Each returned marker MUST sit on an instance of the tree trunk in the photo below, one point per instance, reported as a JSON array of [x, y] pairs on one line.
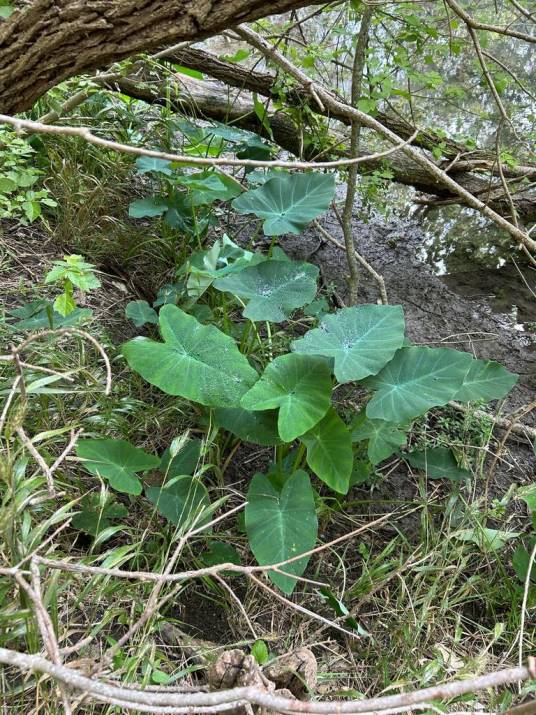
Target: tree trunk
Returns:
[[49, 41]]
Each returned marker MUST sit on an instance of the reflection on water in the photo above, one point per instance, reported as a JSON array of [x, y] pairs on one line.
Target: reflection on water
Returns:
[[459, 238], [479, 261]]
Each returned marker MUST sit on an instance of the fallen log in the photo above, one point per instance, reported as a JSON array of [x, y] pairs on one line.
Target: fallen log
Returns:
[[214, 101]]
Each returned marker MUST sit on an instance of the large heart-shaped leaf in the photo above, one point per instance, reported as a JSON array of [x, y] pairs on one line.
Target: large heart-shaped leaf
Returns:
[[384, 438], [287, 203], [300, 386], [329, 452], [415, 380], [486, 380], [196, 361], [281, 525], [182, 502], [361, 339], [273, 288], [437, 463], [255, 427], [117, 461]]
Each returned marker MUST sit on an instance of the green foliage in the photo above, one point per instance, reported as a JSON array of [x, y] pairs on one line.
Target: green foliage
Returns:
[[281, 524], [19, 198], [415, 380], [291, 399], [256, 427], [40, 314], [485, 380], [259, 651], [361, 339], [72, 272], [184, 501], [181, 458], [96, 515], [195, 361], [383, 438], [329, 452], [273, 288], [117, 461], [224, 258], [300, 386], [288, 203], [140, 312], [437, 463], [219, 552], [486, 539]]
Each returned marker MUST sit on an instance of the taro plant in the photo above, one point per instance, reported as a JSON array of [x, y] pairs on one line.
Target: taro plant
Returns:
[[286, 401], [281, 394]]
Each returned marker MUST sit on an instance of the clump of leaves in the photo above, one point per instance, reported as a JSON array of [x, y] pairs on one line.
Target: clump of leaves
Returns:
[[19, 197], [72, 272]]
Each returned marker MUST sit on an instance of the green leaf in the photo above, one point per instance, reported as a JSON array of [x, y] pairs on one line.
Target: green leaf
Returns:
[[195, 361], [182, 502], [384, 438], [273, 288], [317, 308], [300, 386], [361, 472], [64, 304], [117, 461], [329, 452], [528, 495], [259, 651], [7, 185], [485, 380], [32, 209], [521, 562], [209, 187], [223, 258], [184, 462], [28, 310], [415, 380], [41, 319], [169, 293], [281, 525], [288, 203], [361, 339], [73, 268], [151, 206], [95, 517], [437, 463], [219, 552], [238, 56], [6, 11], [140, 312], [486, 539], [147, 164], [255, 427]]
